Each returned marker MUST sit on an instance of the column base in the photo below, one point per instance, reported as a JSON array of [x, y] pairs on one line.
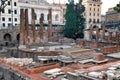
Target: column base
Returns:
[[22, 46]]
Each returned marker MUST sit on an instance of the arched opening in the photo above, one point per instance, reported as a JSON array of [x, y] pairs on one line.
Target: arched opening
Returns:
[[7, 37], [18, 37], [42, 16]]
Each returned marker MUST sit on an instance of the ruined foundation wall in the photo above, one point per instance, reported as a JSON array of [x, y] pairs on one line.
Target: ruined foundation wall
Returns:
[[8, 74]]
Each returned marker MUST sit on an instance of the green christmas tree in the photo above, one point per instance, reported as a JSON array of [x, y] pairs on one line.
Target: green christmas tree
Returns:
[[74, 20]]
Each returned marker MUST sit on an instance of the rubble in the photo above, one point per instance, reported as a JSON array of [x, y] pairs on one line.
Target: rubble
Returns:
[[19, 61]]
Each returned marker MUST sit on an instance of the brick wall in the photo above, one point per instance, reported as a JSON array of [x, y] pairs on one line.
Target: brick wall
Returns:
[[108, 50]]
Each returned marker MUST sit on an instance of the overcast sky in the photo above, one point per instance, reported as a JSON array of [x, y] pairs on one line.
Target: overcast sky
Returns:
[[106, 4]]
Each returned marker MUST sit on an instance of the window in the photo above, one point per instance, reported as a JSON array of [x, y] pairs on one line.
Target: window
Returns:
[[98, 9], [9, 11], [94, 9], [15, 19], [3, 24], [94, 5], [98, 21], [9, 24], [15, 11], [90, 9], [90, 14], [3, 11], [56, 17], [90, 20], [15, 4], [3, 18], [9, 19], [94, 14], [42, 16], [90, 4], [94, 21], [98, 14], [98, 5], [8, 2]]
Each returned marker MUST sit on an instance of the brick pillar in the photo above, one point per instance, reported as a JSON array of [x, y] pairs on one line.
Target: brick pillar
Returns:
[[110, 36], [26, 27], [50, 26], [90, 32], [118, 41], [103, 32], [41, 30], [22, 27], [116, 35], [97, 34], [33, 25]]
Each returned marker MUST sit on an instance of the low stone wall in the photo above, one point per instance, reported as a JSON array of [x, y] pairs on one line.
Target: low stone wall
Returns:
[[44, 68], [72, 76], [8, 74]]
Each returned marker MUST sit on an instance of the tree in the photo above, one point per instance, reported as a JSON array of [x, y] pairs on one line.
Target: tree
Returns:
[[3, 4], [117, 7], [74, 20]]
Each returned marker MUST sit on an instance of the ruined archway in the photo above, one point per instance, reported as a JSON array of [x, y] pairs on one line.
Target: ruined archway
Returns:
[[7, 37]]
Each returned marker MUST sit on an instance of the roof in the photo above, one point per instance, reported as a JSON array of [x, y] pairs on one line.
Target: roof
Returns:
[[40, 2]]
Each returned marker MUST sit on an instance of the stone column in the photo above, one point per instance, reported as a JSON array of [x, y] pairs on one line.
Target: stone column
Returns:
[[90, 32], [22, 27], [118, 40], [41, 30], [26, 27], [33, 25], [50, 26]]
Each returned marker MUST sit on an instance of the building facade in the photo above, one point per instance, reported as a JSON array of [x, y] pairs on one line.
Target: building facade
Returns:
[[112, 18], [41, 8], [11, 14], [92, 14]]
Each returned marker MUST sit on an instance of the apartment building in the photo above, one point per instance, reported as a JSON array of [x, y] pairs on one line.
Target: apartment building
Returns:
[[112, 18], [10, 16], [92, 14]]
